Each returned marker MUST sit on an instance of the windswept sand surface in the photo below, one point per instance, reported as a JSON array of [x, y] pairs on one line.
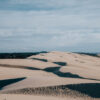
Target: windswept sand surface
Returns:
[[49, 76], [28, 97]]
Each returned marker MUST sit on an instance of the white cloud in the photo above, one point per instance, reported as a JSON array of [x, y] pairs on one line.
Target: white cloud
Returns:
[[49, 23], [46, 23]]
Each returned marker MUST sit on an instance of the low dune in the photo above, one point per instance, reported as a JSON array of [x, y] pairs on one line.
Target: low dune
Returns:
[[31, 97], [51, 76]]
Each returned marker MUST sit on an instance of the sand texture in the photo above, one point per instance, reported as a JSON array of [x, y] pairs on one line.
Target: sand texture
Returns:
[[50, 76]]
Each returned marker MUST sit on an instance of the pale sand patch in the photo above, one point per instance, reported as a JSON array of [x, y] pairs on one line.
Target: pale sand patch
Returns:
[[26, 63], [31, 97]]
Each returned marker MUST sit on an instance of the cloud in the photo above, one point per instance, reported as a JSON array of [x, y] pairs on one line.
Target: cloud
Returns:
[[49, 23], [69, 6], [43, 22]]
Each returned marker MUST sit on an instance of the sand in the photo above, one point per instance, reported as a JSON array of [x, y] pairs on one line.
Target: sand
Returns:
[[59, 74], [28, 97]]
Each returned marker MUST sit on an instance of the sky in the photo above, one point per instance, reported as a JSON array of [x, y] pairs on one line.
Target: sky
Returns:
[[49, 25]]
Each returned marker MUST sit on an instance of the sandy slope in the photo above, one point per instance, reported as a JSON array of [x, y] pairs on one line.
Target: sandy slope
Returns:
[[49, 69], [28, 97]]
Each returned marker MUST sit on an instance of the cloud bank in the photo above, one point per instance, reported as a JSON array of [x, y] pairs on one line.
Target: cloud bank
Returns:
[[34, 25]]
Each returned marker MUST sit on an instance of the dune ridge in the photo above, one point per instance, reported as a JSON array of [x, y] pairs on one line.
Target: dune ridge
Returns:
[[59, 74]]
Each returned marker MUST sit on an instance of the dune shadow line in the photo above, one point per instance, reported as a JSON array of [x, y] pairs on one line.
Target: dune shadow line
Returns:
[[6, 82], [44, 60], [90, 89], [54, 70], [61, 63], [21, 67]]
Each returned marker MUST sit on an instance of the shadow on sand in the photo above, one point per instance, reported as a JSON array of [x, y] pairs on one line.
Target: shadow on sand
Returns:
[[44, 60], [91, 89], [61, 63], [75, 90], [6, 82], [54, 70]]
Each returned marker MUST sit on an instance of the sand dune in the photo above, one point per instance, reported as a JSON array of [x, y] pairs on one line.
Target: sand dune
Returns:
[[28, 97], [53, 74]]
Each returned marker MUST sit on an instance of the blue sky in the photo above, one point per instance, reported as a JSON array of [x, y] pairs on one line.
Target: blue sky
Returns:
[[62, 25]]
